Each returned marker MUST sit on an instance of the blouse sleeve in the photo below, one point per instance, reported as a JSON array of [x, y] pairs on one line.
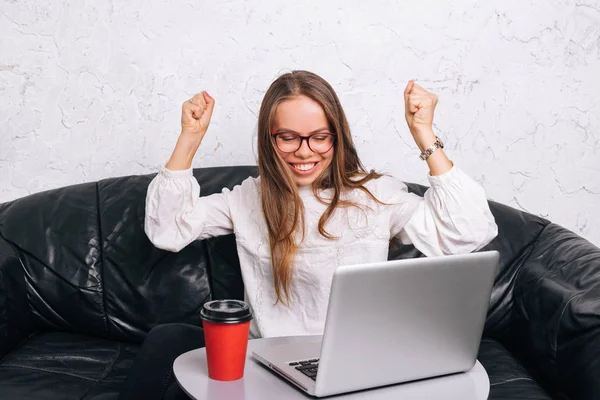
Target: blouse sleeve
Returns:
[[453, 217], [176, 215]]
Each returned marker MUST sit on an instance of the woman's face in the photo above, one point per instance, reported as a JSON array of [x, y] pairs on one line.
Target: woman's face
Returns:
[[304, 117]]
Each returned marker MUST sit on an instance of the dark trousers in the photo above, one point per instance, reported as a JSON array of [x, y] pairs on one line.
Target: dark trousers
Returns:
[[151, 376]]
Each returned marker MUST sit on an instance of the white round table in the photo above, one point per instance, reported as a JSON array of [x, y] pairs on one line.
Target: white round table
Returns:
[[260, 383]]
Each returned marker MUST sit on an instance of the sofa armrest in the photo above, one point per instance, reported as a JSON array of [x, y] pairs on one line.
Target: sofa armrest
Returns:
[[15, 321], [555, 326]]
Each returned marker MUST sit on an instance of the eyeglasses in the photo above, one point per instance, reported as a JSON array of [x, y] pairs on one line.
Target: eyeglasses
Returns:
[[290, 142]]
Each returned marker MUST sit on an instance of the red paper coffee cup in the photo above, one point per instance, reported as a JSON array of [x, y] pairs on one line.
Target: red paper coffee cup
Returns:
[[226, 326]]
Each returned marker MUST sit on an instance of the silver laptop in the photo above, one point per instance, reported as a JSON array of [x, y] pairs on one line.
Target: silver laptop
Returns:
[[393, 322]]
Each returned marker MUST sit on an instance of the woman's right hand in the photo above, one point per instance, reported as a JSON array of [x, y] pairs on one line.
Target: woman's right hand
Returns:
[[195, 118], [195, 115]]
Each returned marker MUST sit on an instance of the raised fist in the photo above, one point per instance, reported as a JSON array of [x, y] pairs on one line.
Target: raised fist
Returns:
[[419, 108], [196, 113]]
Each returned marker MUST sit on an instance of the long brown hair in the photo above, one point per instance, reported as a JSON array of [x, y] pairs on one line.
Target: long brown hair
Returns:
[[282, 206]]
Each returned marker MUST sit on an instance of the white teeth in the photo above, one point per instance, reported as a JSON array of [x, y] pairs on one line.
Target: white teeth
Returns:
[[304, 167]]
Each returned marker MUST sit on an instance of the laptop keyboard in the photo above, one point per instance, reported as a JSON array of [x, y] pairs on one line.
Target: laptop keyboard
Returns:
[[307, 367]]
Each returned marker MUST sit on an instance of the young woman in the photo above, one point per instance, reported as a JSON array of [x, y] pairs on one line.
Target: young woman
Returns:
[[313, 208]]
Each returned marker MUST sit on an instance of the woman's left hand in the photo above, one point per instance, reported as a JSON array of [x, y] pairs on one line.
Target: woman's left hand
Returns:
[[419, 107]]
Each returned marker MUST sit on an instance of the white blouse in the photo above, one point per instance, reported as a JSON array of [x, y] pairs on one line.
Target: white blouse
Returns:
[[453, 217]]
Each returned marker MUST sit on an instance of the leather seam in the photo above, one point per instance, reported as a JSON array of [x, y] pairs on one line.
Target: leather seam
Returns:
[[526, 254], [511, 380], [110, 366], [555, 347], [528, 249], [48, 371], [101, 249], [106, 370], [533, 248]]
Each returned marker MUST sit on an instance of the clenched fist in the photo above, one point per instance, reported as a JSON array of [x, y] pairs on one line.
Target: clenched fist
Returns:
[[419, 108], [195, 115]]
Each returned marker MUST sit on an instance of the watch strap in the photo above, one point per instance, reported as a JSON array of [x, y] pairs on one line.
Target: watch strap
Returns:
[[429, 151]]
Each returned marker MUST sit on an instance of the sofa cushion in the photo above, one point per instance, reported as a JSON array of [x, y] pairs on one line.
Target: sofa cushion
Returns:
[[52, 366], [508, 379], [56, 236], [556, 322], [64, 365]]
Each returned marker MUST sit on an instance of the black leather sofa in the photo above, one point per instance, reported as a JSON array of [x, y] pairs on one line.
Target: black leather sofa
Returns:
[[80, 286]]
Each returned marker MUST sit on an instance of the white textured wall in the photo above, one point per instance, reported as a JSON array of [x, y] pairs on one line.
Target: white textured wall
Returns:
[[93, 89]]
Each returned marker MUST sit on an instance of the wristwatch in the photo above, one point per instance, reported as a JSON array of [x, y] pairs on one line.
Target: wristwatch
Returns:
[[438, 144]]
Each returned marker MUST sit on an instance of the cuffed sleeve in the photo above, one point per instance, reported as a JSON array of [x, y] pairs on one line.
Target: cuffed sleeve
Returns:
[[176, 215], [453, 217]]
